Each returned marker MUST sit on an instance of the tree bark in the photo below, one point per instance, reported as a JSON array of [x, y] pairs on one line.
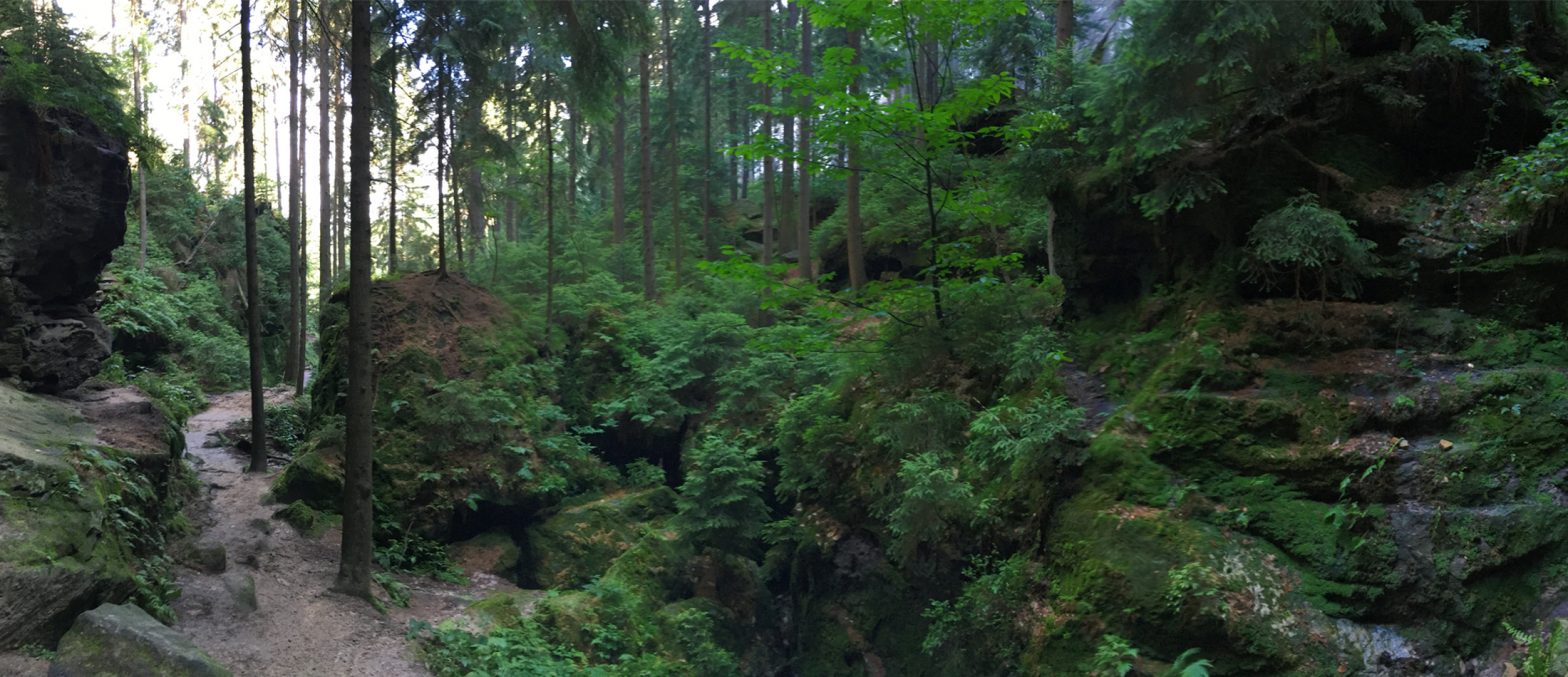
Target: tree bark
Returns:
[[443, 80], [324, 156], [295, 314], [767, 159], [302, 247], [340, 235], [788, 233], [709, 247], [854, 249], [395, 124], [804, 236], [549, 215], [141, 163], [672, 144], [650, 289], [571, 163], [357, 546], [258, 411], [618, 170]]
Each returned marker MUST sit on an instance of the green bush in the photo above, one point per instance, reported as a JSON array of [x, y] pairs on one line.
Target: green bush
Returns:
[[1306, 239]]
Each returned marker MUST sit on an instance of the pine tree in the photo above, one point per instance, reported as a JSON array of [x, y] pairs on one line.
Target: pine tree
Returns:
[[358, 520], [258, 411]]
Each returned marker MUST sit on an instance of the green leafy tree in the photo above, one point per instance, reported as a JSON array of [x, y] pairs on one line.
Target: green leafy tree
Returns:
[[1304, 238], [721, 500]]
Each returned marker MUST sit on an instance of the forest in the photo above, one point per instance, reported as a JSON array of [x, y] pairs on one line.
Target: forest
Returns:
[[783, 337]]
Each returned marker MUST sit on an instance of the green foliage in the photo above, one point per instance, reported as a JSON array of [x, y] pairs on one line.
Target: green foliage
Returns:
[[983, 621], [642, 474], [933, 506], [1306, 238], [1538, 177], [721, 500], [46, 67], [1542, 648]]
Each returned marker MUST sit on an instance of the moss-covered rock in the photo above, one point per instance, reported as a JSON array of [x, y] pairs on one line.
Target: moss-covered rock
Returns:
[[305, 519], [115, 640], [492, 552], [310, 479], [581, 541]]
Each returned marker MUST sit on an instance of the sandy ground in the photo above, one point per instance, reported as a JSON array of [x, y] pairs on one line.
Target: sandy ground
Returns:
[[298, 627]]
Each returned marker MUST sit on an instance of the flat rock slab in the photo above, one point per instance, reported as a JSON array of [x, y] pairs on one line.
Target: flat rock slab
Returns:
[[121, 640]]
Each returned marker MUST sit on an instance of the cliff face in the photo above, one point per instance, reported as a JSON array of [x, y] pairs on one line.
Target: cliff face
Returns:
[[64, 185]]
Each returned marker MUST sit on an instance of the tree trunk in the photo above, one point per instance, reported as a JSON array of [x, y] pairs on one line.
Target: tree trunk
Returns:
[[296, 290], [804, 237], [395, 124], [736, 138], [302, 248], [549, 215], [788, 232], [854, 249], [645, 188], [357, 546], [672, 144], [324, 156], [710, 248], [571, 163], [340, 235], [141, 163], [258, 412], [1064, 41], [441, 159], [767, 159], [618, 171], [457, 192]]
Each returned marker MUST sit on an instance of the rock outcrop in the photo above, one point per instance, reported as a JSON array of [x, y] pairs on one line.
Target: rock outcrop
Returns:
[[64, 185], [116, 639]]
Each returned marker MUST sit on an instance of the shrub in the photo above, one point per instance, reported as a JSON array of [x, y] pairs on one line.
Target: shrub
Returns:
[[1304, 238], [720, 502]]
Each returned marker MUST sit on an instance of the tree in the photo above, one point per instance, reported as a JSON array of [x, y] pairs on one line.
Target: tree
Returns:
[[672, 145], [357, 547], [1304, 237], [803, 237], [855, 249], [324, 65], [720, 504], [650, 288], [709, 245], [296, 198], [618, 168], [768, 197], [258, 410]]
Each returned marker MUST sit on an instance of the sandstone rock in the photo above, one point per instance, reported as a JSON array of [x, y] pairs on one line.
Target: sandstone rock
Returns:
[[492, 552], [123, 641], [64, 185], [242, 588], [207, 557], [1445, 445]]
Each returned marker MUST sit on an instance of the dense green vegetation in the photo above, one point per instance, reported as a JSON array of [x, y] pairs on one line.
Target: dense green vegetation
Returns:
[[1184, 339]]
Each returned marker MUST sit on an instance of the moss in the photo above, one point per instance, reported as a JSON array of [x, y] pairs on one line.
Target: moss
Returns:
[[311, 480], [506, 608], [304, 518], [581, 541]]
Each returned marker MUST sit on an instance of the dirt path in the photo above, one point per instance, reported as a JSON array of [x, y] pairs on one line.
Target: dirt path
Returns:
[[298, 627]]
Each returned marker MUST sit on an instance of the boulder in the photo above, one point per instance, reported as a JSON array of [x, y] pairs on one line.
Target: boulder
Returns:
[[242, 589], [492, 552], [64, 185], [581, 541], [123, 641]]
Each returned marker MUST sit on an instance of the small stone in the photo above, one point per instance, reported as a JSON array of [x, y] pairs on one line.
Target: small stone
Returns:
[[242, 587], [1445, 445], [205, 557], [1404, 443]]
